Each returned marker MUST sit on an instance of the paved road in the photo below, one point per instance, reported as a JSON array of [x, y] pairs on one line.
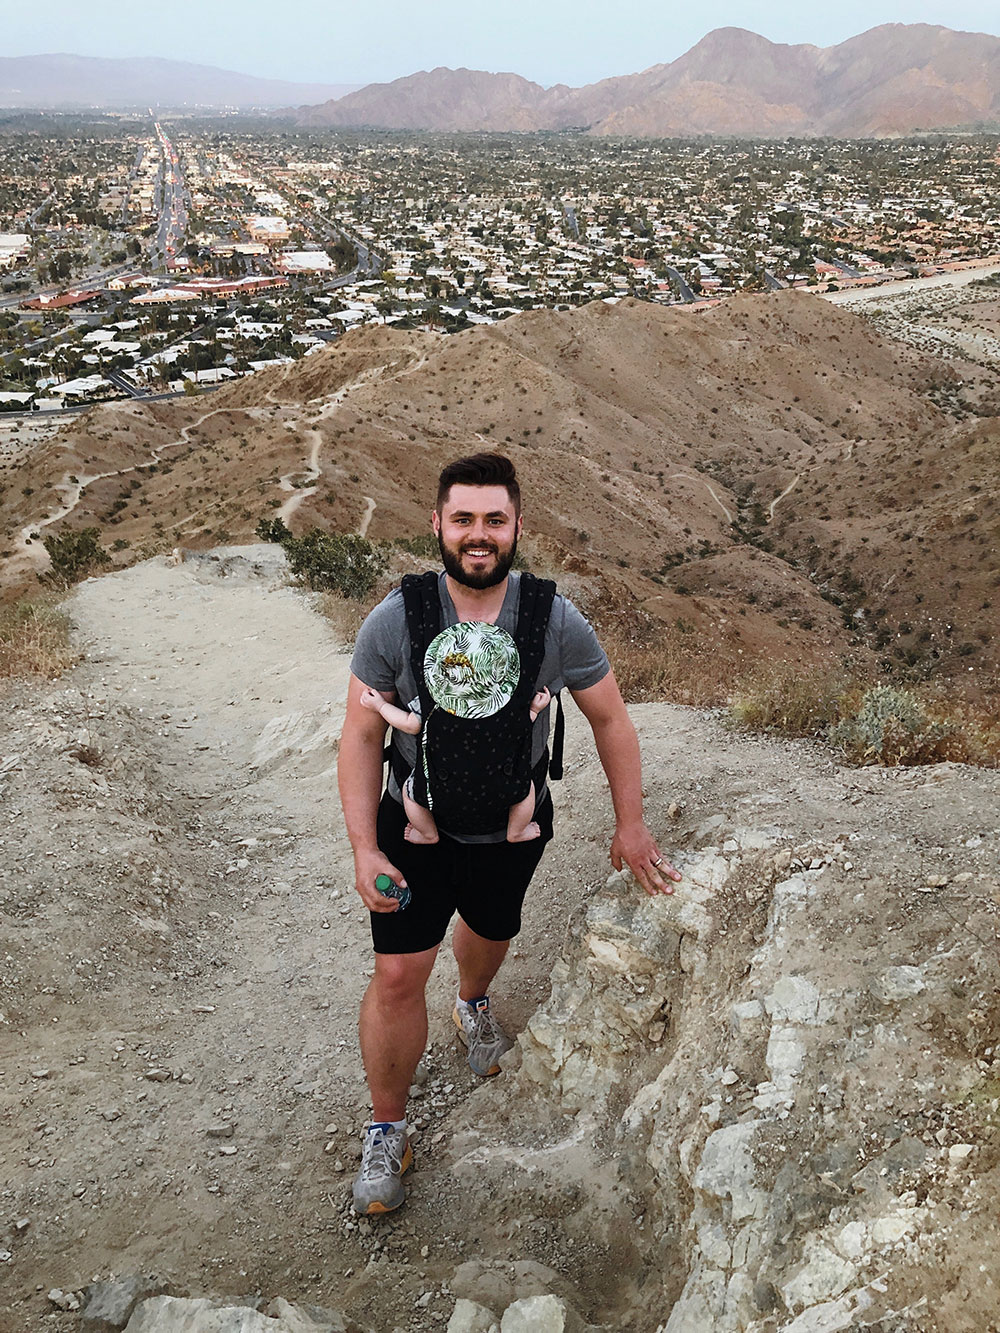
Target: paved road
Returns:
[[686, 294], [116, 378]]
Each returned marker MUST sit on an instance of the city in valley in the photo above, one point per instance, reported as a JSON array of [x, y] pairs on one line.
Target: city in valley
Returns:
[[142, 257]]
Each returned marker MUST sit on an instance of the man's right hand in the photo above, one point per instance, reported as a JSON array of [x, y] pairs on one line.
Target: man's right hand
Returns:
[[366, 866]]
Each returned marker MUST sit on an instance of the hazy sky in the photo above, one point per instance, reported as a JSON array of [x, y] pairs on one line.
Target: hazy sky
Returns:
[[552, 41]]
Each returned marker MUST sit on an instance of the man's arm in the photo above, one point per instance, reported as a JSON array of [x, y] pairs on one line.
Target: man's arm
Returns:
[[359, 776], [618, 747]]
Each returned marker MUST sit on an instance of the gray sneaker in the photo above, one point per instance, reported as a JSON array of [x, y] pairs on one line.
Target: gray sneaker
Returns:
[[483, 1035], [385, 1156]]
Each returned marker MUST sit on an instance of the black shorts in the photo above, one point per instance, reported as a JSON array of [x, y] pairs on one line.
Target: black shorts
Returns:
[[484, 882]]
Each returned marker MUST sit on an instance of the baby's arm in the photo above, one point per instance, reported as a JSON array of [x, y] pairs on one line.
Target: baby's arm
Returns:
[[539, 701], [400, 718]]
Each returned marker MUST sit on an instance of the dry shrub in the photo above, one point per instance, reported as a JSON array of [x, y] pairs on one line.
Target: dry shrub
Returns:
[[793, 700], [871, 724], [653, 661], [345, 616], [34, 640], [891, 726]]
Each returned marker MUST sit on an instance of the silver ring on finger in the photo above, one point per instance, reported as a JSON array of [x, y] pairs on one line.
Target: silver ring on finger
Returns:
[[658, 862]]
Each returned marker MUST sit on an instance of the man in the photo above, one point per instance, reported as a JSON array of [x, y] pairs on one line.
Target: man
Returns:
[[477, 520]]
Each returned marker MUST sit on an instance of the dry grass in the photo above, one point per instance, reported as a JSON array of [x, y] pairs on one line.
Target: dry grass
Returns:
[[344, 615], [870, 723], [653, 661], [794, 701], [34, 640]]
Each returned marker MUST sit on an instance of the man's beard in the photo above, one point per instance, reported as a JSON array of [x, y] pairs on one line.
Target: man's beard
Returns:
[[451, 558]]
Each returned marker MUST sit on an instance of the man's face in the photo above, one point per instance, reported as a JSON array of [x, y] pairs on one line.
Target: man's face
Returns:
[[477, 531]]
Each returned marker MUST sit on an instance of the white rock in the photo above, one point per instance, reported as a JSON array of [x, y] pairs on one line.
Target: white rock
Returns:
[[958, 1152], [823, 1276], [785, 1057], [535, 1314], [887, 1230], [701, 1302], [745, 1018], [471, 1317], [797, 1000], [898, 983], [853, 1240], [171, 1314], [714, 1246], [831, 1316], [295, 1319], [727, 1170]]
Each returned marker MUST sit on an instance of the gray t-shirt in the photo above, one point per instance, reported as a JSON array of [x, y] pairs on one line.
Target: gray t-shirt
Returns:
[[573, 660]]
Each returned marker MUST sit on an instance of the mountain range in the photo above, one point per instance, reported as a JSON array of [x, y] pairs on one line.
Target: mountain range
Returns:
[[894, 79], [71, 82]]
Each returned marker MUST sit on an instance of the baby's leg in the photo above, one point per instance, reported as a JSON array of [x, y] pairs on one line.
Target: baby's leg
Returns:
[[539, 701], [520, 826], [421, 828]]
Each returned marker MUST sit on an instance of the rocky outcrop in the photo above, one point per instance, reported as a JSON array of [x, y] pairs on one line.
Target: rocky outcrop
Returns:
[[769, 1088]]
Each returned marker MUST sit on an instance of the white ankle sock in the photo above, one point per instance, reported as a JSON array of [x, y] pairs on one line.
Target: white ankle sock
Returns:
[[393, 1124], [469, 1006]]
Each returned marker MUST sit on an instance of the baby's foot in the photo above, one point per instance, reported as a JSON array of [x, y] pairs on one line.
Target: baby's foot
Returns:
[[414, 835], [527, 834]]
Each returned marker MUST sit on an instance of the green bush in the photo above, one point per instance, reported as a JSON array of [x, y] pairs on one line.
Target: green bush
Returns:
[[74, 555], [891, 726], [426, 545], [273, 530], [341, 562]]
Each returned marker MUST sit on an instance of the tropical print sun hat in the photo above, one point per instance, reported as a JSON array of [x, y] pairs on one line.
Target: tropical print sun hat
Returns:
[[472, 669]]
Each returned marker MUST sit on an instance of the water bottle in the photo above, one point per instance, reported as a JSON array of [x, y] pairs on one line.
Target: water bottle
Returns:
[[388, 888]]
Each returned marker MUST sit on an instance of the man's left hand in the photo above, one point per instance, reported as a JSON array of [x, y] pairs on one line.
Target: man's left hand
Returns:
[[634, 845]]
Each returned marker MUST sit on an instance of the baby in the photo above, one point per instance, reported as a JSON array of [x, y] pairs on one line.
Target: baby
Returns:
[[422, 828]]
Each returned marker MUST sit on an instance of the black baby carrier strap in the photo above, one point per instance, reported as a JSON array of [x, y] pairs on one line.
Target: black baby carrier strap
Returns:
[[470, 771]]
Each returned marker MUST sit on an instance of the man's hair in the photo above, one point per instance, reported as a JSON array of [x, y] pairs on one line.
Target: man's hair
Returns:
[[480, 470]]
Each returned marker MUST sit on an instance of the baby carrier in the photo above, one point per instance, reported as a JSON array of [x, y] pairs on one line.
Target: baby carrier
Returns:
[[475, 688]]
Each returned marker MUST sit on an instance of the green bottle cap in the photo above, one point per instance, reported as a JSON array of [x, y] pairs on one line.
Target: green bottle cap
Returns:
[[383, 882]]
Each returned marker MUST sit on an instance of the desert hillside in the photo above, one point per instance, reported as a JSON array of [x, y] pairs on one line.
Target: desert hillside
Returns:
[[768, 1103], [768, 479], [895, 79]]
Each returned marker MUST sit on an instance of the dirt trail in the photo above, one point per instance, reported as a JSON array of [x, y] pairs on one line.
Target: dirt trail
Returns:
[[778, 498], [366, 517], [222, 944], [312, 473], [686, 476]]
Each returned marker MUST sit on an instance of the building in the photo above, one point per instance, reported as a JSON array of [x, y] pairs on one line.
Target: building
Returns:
[[272, 231], [305, 261]]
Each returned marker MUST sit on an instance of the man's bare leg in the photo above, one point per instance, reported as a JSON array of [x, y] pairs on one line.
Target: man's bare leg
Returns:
[[478, 960], [393, 1028]]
